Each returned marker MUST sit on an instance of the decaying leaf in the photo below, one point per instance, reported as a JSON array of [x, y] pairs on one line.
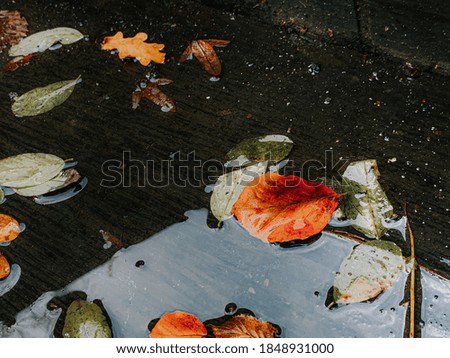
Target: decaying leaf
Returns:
[[29, 169], [41, 41], [113, 240], [277, 208], [178, 325], [5, 268], [17, 62], [13, 27], [43, 99], [369, 269], [154, 94], [273, 148], [244, 326], [203, 50], [65, 194], [135, 47], [229, 187], [63, 179], [366, 204], [9, 228], [86, 319]]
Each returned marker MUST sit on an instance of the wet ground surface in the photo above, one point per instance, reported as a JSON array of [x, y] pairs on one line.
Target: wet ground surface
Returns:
[[360, 105]]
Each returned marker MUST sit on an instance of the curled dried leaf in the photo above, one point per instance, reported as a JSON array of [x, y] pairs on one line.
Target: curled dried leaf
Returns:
[[9, 228], [13, 27], [5, 268], [244, 326], [178, 325], [203, 50], [135, 47], [154, 94]]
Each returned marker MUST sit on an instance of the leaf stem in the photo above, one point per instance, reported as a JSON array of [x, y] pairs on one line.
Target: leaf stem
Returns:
[[412, 287]]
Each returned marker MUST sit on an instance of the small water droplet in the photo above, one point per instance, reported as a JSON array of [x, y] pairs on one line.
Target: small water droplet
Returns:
[[435, 297], [22, 227], [139, 263], [392, 309], [317, 293], [421, 324], [230, 308]]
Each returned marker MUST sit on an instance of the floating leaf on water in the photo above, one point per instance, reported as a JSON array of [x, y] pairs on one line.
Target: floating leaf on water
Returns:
[[154, 94], [178, 325], [5, 269], [29, 169], [17, 62], [9, 228], [203, 50], [272, 148], [229, 187], [86, 319], [135, 46], [43, 99], [43, 40], [367, 271], [63, 194], [244, 326], [13, 27], [63, 179], [366, 204], [277, 208]]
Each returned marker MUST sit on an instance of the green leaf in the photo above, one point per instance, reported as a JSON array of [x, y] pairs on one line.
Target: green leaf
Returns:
[[41, 41], [29, 169], [85, 320], [62, 180], [366, 204], [43, 99], [370, 269], [229, 186], [2, 196], [271, 148]]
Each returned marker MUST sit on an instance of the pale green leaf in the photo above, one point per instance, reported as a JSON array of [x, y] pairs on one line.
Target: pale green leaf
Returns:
[[2, 196], [62, 180], [85, 320], [43, 99], [271, 148], [366, 204], [41, 41], [29, 169], [370, 269], [229, 186]]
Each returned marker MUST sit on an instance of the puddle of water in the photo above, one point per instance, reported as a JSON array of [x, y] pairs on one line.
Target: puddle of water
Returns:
[[194, 268]]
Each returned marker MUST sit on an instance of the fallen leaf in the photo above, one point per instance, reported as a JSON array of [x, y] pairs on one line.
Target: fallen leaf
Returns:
[[43, 99], [115, 241], [5, 268], [58, 196], [86, 319], [41, 41], [366, 205], [17, 62], [229, 187], [135, 47], [367, 271], [62, 180], [154, 94], [203, 50], [276, 208], [2, 196], [9, 228], [244, 326], [272, 148], [178, 325], [29, 169], [13, 27]]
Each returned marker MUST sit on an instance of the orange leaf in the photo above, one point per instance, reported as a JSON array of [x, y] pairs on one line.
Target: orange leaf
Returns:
[[178, 325], [135, 47], [154, 94], [244, 326], [17, 62], [5, 269], [9, 228], [276, 208], [203, 50], [13, 27]]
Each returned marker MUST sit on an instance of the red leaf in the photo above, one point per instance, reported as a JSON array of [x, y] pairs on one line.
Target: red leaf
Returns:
[[17, 62], [13, 27], [154, 94], [5, 269], [178, 325], [276, 208], [9, 228]]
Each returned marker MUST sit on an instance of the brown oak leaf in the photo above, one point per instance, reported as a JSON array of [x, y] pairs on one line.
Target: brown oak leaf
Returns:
[[203, 50], [135, 47], [154, 94]]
